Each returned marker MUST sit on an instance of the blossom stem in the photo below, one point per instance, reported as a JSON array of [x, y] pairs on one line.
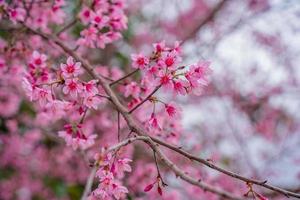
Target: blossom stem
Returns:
[[146, 99]]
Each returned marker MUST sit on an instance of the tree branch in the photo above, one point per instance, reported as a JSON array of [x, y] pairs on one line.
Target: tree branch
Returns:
[[178, 172], [203, 22], [137, 128]]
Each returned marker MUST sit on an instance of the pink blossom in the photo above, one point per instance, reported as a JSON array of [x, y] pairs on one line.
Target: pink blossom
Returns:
[[72, 87], [170, 60], [92, 102], [74, 137], [106, 179], [180, 87], [201, 69], [29, 89], [90, 88], [118, 21], [139, 61], [122, 165], [165, 80], [17, 14], [153, 122], [38, 59], [102, 41], [132, 89], [85, 15], [159, 47], [43, 96], [172, 109], [99, 193], [89, 37], [71, 69], [99, 19], [119, 191]]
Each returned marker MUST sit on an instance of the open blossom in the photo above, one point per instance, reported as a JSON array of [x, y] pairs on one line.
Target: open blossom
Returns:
[[90, 88], [75, 138], [170, 60], [85, 15], [159, 47], [99, 19], [201, 69], [132, 89], [139, 61], [71, 69], [122, 165], [103, 40], [197, 74], [180, 86], [88, 37], [72, 87], [108, 186], [92, 102], [172, 109], [43, 95], [119, 191], [38, 60], [17, 14], [165, 80]]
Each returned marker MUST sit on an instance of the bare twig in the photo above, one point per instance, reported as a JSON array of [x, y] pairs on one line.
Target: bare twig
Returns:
[[89, 183], [146, 99], [204, 21], [66, 27], [124, 77]]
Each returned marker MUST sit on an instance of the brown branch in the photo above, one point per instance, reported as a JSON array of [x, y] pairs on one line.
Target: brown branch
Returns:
[[204, 21], [178, 172], [66, 27], [137, 128], [89, 184], [146, 99]]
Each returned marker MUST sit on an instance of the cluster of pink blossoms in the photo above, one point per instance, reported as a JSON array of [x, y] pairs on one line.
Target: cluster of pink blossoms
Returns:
[[163, 68], [79, 96], [104, 19], [62, 92], [110, 170], [41, 14]]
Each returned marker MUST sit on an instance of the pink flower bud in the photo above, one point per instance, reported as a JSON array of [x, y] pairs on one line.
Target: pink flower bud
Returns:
[[148, 187]]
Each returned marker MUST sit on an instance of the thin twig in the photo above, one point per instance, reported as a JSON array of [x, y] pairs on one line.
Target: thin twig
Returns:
[[124, 77], [204, 21], [146, 99], [119, 126], [89, 184], [66, 27]]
